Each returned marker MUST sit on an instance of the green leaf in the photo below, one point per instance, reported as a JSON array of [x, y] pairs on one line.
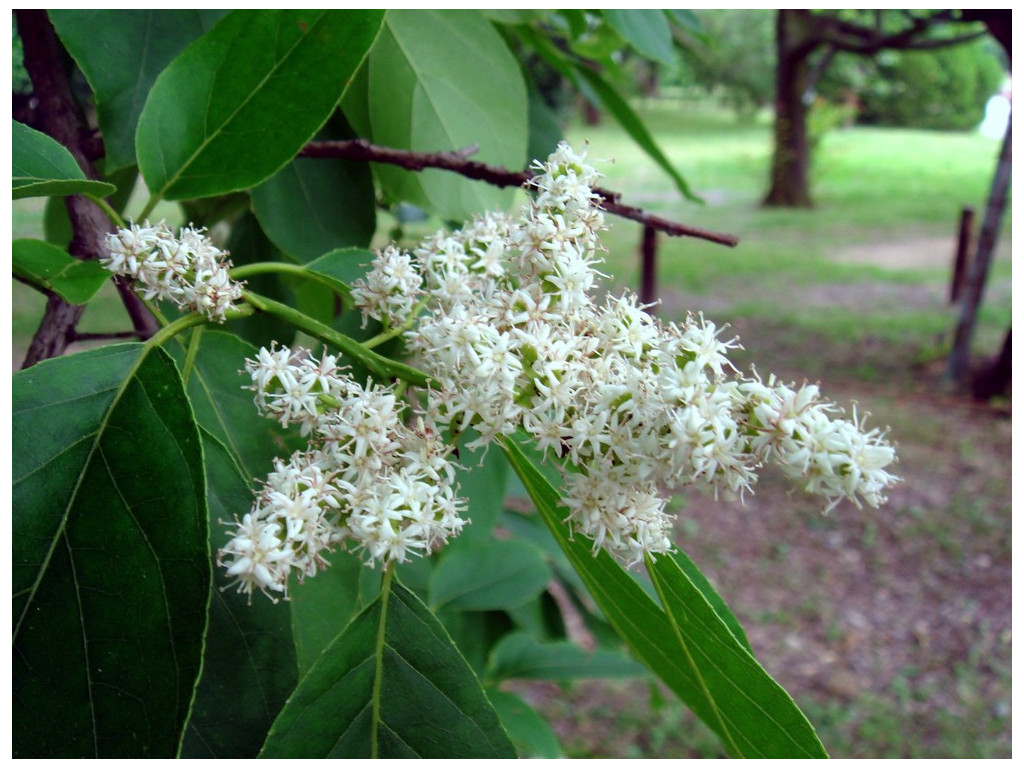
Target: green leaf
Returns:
[[522, 657], [391, 685], [322, 606], [111, 573], [249, 664], [240, 102], [482, 476], [342, 267], [645, 29], [545, 131], [489, 575], [529, 731], [315, 205], [635, 127], [424, 98], [121, 53], [755, 715], [41, 167], [700, 660], [700, 581], [51, 268]]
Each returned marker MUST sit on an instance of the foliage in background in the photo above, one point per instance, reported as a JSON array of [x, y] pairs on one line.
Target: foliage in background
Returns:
[[946, 89], [736, 58]]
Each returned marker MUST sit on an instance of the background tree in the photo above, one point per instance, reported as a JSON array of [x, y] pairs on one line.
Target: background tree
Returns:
[[806, 42]]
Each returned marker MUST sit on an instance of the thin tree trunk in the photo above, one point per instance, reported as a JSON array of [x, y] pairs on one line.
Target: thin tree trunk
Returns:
[[960, 356]]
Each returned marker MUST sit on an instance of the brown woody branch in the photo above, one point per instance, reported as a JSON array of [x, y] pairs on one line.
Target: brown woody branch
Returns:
[[58, 116], [459, 162]]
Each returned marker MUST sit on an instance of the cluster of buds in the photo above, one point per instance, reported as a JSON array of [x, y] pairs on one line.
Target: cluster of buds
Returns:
[[188, 269], [366, 478]]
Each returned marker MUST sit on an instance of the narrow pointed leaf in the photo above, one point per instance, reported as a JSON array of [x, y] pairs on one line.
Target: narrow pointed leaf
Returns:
[[41, 167], [240, 102], [722, 683], [700, 581], [121, 53], [425, 97], [630, 120], [391, 685], [51, 268], [111, 571], [754, 713], [249, 665], [489, 575]]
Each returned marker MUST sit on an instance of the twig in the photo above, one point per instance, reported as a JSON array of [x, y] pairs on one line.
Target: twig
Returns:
[[458, 162]]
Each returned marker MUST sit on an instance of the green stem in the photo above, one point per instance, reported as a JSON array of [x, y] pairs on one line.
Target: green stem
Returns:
[[390, 333], [284, 268], [113, 215], [180, 325], [191, 320], [378, 672], [190, 355], [378, 364], [152, 203]]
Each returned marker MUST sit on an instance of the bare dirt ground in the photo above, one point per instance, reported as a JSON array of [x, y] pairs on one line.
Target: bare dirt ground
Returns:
[[890, 627]]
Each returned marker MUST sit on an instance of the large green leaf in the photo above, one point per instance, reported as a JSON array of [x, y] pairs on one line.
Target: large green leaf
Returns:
[[111, 573], [482, 476], [249, 660], [688, 646], [391, 685], [41, 167], [322, 606], [445, 80], [121, 53], [646, 29], [489, 575], [51, 268], [520, 656], [240, 102]]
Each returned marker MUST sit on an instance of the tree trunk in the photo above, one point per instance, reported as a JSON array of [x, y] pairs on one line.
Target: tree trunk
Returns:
[[790, 179]]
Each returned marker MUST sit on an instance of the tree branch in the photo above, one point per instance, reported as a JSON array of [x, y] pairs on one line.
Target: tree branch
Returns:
[[458, 162], [58, 116]]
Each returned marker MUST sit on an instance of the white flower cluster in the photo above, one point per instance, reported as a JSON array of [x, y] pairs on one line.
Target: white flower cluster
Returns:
[[188, 269], [366, 477], [514, 340]]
